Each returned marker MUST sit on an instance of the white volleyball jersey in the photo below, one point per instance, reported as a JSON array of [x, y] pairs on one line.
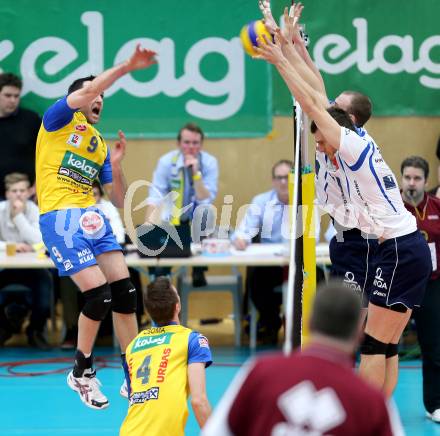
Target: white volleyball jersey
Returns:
[[373, 188], [332, 191]]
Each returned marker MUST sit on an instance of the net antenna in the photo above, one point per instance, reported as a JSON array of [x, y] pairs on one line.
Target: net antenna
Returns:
[[293, 307]]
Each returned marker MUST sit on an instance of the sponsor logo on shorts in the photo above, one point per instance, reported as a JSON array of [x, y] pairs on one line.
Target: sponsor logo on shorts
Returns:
[[142, 397], [85, 255], [91, 222], [146, 342], [350, 283], [75, 140], [379, 294], [379, 281], [81, 165], [67, 265], [81, 127]]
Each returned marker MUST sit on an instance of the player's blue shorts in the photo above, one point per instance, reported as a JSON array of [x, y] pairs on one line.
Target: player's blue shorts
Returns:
[[351, 260], [402, 267], [74, 237]]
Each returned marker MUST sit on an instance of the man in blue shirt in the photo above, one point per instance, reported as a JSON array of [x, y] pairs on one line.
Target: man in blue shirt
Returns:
[[267, 220], [190, 175]]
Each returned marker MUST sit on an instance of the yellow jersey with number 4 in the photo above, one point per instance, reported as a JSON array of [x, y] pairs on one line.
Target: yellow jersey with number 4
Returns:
[[157, 364], [70, 155]]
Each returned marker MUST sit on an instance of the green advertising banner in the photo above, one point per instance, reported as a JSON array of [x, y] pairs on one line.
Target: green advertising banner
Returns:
[[389, 50], [202, 74]]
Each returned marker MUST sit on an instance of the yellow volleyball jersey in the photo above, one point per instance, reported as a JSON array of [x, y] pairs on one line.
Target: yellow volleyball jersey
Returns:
[[68, 160], [157, 366]]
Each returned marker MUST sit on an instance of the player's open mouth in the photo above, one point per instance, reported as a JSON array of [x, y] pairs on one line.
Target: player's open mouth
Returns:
[[96, 110]]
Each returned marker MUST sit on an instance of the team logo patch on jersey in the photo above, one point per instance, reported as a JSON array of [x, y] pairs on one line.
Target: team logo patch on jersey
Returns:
[[91, 222], [79, 164], [81, 127], [389, 182], [142, 343], [203, 342], [142, 397], [75, 140]]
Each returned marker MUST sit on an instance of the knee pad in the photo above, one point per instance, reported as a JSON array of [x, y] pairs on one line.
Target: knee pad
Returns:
[[392, 350], [97, 302], [124, 298], [372, 346]]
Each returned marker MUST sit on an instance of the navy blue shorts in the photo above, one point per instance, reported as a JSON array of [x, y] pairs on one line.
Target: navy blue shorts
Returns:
[[74, 237], [352, 260], [402, 267]]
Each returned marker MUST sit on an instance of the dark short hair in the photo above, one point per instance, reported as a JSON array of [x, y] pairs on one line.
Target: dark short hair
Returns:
[[98, 185], [160, 300], [336, 312], [416, 162], [9, 79], [342, 118], [287, 162], [360, 107], [192, 127], [78, 83]]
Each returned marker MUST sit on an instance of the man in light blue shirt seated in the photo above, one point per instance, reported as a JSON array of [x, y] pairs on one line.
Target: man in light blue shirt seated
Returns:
[[183, 179], [267, 220]]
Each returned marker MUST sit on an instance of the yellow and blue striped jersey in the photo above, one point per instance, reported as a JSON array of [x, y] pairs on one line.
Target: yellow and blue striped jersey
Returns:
[[70, 155], [157, 363]]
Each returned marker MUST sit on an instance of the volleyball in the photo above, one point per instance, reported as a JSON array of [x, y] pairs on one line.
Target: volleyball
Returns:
[[249, 34]]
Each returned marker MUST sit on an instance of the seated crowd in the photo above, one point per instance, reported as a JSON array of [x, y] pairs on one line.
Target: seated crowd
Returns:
[[187, 170]]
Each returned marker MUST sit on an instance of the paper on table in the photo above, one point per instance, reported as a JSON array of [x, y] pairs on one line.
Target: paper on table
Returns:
[[262, 250]]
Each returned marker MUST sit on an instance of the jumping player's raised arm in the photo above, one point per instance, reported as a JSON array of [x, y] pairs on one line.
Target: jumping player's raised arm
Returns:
[[141, 58], [298, 55], [310, 100]]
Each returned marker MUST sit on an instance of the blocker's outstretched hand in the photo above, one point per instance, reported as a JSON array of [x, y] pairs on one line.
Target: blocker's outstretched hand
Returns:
[[268, 50], [291, 18], [268, 18]]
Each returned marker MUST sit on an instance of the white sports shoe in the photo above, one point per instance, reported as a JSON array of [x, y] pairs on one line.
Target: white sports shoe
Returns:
[[124, 390], [88, 388], [435, 416]]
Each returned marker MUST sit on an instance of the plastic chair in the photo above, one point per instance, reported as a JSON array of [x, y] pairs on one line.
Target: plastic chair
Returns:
[[230, 283]]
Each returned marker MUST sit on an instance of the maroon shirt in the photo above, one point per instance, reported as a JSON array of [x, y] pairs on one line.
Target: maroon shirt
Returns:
[[313, 390], [428, 222]]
